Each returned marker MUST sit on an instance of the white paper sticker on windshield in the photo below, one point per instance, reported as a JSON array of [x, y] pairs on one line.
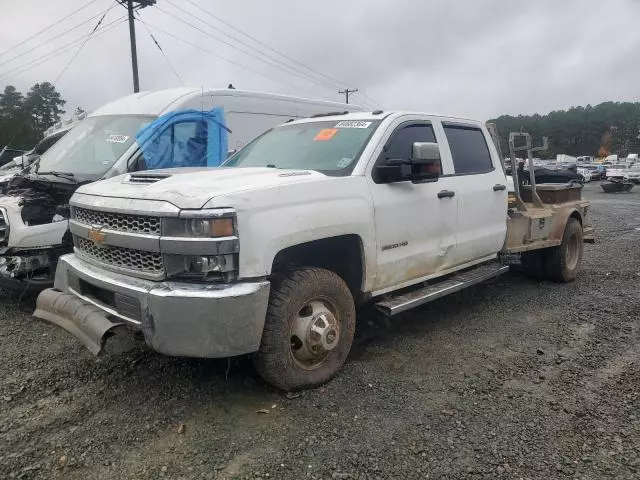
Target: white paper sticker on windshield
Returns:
[[353, 124], [117, 138]]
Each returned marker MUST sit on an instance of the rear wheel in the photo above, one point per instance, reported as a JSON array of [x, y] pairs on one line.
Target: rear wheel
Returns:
[[563, 262], [308, 331]]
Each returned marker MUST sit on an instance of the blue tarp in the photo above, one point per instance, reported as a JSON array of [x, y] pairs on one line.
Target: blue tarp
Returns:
[[186, 138]]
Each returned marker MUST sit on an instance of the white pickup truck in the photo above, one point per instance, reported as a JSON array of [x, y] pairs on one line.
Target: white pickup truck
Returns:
[[270, 255]]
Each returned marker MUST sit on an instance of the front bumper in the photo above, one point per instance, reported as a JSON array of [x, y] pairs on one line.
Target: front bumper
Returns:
[[176, 318]]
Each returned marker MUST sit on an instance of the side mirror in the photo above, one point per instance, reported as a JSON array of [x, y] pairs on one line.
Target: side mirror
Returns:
[[424, 165], [394, 170], [425, 162]]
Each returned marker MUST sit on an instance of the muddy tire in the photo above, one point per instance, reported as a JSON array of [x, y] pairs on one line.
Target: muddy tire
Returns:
[[563, 262], [308, 331], [533, 264]]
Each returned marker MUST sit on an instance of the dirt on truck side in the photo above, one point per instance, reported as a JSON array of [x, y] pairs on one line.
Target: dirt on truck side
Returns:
[[509, 379]]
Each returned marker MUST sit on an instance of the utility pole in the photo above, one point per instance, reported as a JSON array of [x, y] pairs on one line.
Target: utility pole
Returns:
[[131, 6], [346, 93]]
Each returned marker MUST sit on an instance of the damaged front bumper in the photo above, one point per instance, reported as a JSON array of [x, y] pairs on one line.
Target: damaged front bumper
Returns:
[[175, 318]]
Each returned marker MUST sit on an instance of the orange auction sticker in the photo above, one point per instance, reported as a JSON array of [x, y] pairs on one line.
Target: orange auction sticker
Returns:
[[326, 134]]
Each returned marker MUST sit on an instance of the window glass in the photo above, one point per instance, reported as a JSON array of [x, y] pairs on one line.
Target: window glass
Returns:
[[469, 150], [401, 144], [93, 146], [181, 144], [46, 143], [328, 146]]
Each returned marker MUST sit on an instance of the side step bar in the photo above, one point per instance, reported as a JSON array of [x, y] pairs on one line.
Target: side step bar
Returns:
[[394, 305]]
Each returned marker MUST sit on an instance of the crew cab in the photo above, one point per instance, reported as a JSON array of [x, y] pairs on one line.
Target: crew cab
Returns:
[[270, 254]]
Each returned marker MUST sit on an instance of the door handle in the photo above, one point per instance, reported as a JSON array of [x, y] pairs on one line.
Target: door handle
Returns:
[[446, 194], [499, 188]]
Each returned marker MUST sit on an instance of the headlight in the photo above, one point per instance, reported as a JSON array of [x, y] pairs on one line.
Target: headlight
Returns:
[[206, 264], [199, 227]]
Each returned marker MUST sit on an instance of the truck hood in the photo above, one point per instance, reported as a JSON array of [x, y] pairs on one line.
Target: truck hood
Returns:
[[192, 188]]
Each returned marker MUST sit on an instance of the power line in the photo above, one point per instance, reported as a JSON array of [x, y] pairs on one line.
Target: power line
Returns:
[[61, 51], [257, 57], [293, 60], [47, 56], [67, 65], [199, 47], [84, 43], [47, 28], [82, 24], [175, 72], [336, 82], [293, 69], [376, 104]]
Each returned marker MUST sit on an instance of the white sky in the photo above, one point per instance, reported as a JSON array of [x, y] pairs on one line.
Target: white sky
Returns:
[[477, 58]]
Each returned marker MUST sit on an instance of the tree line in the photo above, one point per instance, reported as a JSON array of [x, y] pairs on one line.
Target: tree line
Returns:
[[24, 118], [598, 131]]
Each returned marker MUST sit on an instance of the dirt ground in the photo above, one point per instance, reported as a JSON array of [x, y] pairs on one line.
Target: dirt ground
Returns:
[[512, 379]]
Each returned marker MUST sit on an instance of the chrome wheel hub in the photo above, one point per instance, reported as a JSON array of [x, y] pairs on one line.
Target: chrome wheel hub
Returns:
[[314, 334]]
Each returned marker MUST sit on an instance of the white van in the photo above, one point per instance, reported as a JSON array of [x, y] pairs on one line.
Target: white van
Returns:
[[34, 211]]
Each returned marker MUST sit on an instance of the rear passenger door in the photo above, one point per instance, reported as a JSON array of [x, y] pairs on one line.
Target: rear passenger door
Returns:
[[481, 192]]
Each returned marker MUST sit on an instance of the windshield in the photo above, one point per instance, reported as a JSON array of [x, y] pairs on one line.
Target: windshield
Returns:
[[93, 146], [46, 143], [331, 147]]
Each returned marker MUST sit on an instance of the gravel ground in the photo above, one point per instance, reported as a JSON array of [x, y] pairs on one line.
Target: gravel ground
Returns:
[[511, 379]]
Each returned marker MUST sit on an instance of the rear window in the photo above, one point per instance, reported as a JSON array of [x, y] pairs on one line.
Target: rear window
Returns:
[[469, 150]]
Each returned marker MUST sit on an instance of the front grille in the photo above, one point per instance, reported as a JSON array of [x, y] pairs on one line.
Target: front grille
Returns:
[[118, 221], [136, 260]]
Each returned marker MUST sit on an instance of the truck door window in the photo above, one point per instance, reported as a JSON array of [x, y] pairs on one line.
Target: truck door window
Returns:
[[182, 144], [400, 144], [469, 150]]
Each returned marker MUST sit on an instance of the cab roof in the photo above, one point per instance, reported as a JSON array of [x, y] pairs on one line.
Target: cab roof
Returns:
[[380, 115]]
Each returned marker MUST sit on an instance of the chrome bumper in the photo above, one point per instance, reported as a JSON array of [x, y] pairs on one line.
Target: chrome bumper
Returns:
[[176, 318]]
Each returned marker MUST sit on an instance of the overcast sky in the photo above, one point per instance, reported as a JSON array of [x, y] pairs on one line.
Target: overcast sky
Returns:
[[477, 58]]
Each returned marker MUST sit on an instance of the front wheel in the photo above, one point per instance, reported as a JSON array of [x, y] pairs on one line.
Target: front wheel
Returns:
[[308, 330]]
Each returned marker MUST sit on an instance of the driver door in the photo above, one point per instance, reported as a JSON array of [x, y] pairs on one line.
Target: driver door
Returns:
[[415, 223]]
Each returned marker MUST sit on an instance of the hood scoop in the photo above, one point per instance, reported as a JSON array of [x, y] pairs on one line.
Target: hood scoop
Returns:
[[145, 178]]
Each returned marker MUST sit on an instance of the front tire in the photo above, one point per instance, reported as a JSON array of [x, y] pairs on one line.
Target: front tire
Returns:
[[308, 330], [563, 262]]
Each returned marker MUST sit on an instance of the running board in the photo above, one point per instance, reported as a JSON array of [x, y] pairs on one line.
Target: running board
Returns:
[[433, 291]]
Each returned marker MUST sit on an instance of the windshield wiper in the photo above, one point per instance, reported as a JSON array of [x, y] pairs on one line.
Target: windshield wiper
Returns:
[[67, 175]]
